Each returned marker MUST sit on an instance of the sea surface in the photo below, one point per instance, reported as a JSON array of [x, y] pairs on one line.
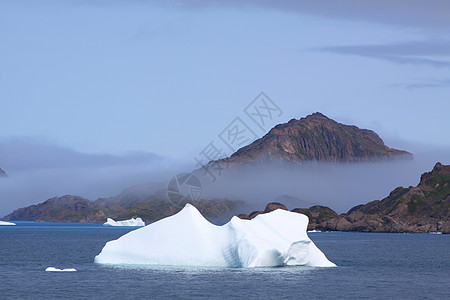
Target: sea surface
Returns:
[[370, 266]]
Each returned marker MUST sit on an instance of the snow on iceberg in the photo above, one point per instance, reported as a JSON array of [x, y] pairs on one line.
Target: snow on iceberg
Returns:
[[7, 223], [53, 269], [273, 239], [130, 222]]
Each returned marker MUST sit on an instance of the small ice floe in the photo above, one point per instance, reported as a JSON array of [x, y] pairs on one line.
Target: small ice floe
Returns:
[[309, 231], [435, 232], [131, 222], [52, 269], [7, 223]]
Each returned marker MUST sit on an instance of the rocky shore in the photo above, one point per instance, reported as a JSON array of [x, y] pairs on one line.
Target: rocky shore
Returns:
[[421, 209]]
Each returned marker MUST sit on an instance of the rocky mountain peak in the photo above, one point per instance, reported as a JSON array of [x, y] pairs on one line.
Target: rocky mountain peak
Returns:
[[436, 175], [317, 115], [317, 138], [441, 169]]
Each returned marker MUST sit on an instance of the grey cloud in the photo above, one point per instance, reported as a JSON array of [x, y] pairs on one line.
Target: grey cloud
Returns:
[[435, 83], [416, 13], [415, 61], [411, 13], [413, 53], [24, 153], [39, 170], [428, 47]]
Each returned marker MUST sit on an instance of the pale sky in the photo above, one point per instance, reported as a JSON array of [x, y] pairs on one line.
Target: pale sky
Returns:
[[107, 84], [119, 76]]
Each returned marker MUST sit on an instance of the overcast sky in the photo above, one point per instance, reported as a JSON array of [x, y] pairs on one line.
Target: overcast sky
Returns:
[[163, 79], [118, 76]]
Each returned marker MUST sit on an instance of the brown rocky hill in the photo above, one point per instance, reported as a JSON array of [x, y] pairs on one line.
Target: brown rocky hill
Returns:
[[424, 208], [68, 208], [78, 209], [317, 138], [313, 138]]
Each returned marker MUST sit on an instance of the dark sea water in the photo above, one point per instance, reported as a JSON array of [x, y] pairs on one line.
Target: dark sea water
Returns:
[[370, 266]]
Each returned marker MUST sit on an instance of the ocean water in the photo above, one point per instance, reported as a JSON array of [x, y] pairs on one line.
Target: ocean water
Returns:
[[370, 266]]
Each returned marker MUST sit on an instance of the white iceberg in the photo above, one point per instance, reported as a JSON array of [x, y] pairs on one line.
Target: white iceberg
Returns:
[[130, 222], [7, 223], [274, 239], [53, 269]]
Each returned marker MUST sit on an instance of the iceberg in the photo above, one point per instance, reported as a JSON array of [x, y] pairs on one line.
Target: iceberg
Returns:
[[130, 222], [7, 223], [53, 269], [273, 239]]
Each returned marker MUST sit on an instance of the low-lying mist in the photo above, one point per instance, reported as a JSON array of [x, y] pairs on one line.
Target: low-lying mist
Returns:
[[37, 174], [40, 170], [338, 186]]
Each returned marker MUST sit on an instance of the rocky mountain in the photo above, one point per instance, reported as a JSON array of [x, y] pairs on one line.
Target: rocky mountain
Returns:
[[3, 173], [424, 208], [313, 138], [70, 208], [317, 138], [269, 207]]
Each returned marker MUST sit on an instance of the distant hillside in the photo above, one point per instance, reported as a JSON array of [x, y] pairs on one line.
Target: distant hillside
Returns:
[[3, 173], [424, 208], [70, 208], [313, 138], [317, 138]]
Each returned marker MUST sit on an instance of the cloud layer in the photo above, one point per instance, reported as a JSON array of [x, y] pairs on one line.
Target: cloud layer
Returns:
[[24, 153], [39, 170], [420, 53], [411, 13]]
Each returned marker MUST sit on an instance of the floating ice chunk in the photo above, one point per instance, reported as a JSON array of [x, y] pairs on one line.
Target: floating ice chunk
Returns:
[[130, 222], [277, 238], [7, 223], [52, 269]]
